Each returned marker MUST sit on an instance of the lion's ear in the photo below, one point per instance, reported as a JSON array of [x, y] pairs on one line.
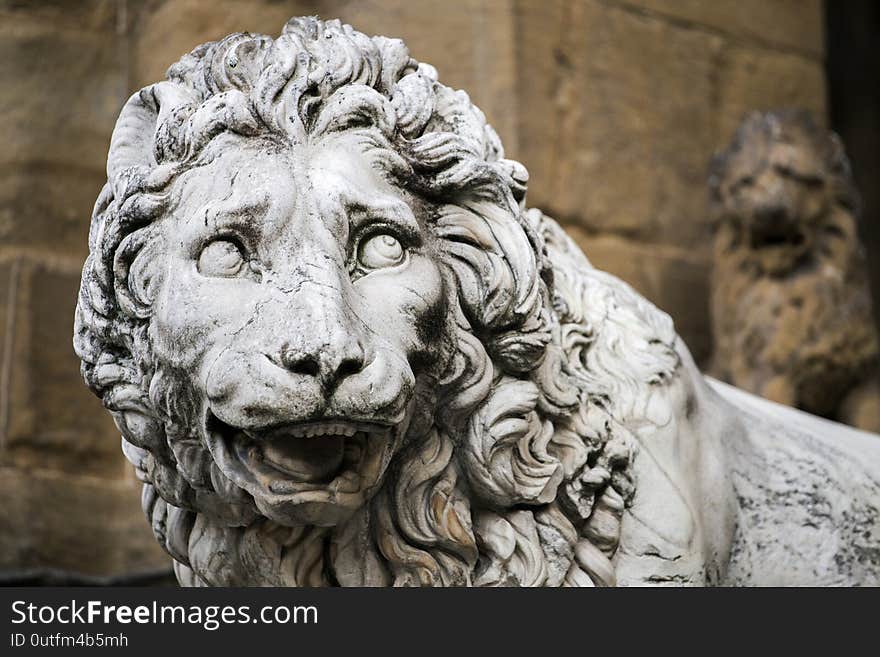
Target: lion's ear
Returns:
[[132, 143]]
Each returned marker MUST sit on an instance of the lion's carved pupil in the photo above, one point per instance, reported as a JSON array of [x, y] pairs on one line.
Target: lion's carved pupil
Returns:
[[220, 258], [381, 250]]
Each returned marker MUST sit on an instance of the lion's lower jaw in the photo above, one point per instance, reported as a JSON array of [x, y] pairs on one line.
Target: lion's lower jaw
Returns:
[[268, 555], [262, 554]]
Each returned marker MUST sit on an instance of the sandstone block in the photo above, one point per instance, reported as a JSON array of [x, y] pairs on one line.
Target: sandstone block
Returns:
[[7, 284], [757, 79], [62, 92], [792, 24], [79, 524], [53, 421], [616, 136], [57, 221], [90, 15]]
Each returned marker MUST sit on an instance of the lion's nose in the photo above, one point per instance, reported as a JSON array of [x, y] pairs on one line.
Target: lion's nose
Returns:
[[333, 361]]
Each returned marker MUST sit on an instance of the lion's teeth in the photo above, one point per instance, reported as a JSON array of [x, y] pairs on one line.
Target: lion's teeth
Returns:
[[330, 429]]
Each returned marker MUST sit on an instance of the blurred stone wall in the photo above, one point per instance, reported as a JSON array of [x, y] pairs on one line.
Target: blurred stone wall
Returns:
[[69, 502], [615, 107]]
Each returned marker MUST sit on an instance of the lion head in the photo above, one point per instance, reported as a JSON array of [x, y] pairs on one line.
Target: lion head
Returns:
[[782, 194], [330, 334]]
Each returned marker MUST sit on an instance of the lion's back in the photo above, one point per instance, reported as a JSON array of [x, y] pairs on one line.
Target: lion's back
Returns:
[[808, 494]]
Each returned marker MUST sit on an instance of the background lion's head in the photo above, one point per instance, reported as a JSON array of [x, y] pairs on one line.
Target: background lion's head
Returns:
[[782, 194]]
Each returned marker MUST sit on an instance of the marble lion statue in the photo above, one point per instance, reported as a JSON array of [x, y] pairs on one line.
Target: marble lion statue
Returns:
[[341, 351]]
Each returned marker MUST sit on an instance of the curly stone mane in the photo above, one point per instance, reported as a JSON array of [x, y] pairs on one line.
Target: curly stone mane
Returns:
[[522, 473]]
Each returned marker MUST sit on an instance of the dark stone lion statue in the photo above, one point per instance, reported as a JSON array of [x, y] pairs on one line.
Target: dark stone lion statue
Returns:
[[792, 317]]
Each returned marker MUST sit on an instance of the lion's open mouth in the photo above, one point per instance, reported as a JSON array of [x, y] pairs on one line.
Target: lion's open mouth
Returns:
[[312, 455], [775, 230], [305, 453], [770, 238], [336, 455]]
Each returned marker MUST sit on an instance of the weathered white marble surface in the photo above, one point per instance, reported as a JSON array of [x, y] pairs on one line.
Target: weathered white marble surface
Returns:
[[808, 496], [341, 351]]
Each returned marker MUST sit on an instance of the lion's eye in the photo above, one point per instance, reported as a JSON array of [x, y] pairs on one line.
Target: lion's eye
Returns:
[[382, 250], [743, 182], [220, 258]]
